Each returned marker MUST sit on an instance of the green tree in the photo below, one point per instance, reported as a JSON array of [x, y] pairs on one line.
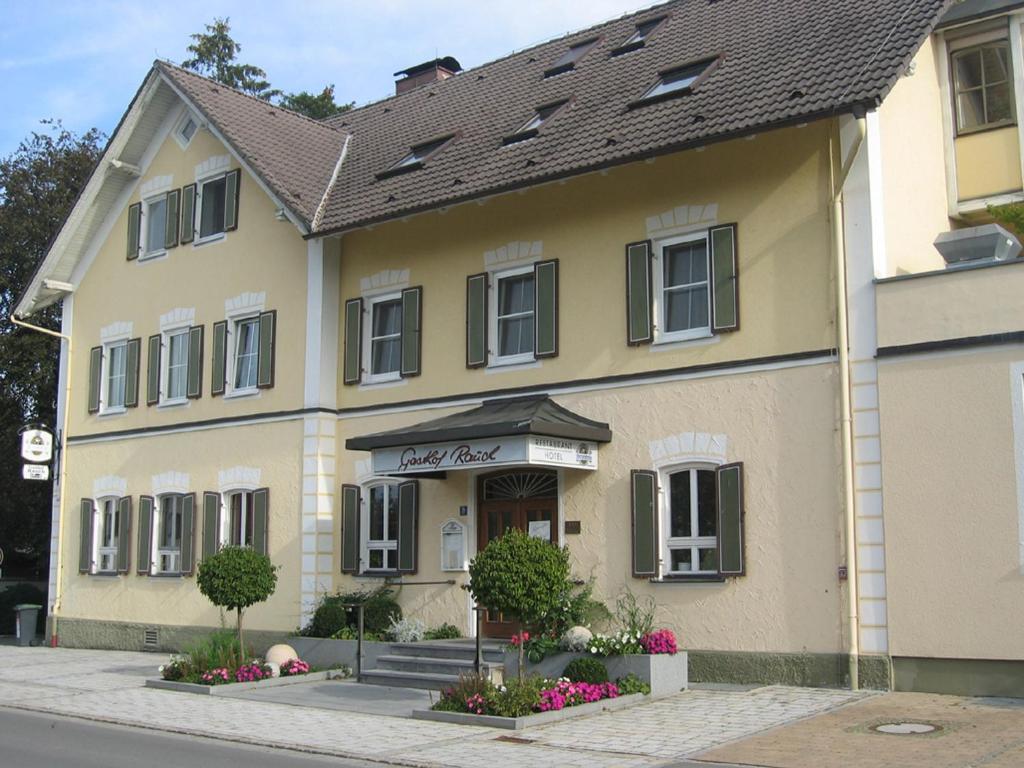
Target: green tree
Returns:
[[318, 107], [213, 56], [235, 578], [39, 183], [522, 576]]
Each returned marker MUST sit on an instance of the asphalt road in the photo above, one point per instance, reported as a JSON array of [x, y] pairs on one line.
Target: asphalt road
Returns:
[[35, 740]]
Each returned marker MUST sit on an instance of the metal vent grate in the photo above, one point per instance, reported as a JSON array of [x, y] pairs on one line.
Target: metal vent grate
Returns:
[[151, 639]]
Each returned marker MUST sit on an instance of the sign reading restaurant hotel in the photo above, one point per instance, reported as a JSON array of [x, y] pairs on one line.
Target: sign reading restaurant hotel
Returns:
[[488, 452]]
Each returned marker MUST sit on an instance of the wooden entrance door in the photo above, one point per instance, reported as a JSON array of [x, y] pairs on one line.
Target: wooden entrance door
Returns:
[[526, 500]]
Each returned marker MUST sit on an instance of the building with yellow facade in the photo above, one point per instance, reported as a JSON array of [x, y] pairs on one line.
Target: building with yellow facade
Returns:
[[665, 291]]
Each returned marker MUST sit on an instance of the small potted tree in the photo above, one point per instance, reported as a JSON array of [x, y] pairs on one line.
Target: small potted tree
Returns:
[[236, 578], [522, 576]]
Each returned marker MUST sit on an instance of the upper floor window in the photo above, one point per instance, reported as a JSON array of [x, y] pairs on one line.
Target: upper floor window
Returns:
[[214, 201], [514, 316], [156, 225], [187, 129], [682, 301], [983, 84], [246, 358], [177, 365], [109, 535], [384, 343], [116, 375]]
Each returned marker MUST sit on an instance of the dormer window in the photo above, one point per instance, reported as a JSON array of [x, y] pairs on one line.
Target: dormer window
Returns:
[[639, 37], [416, 157], [567, 61], [676, 82], [531, 127]]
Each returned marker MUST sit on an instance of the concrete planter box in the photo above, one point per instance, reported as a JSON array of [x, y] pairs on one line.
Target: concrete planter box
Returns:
[[224, 688], [541, 718], [324, 652], [666, 674]]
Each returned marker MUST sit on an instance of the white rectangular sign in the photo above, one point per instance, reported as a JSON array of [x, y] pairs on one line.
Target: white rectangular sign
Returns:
[[530, 450], [35, 471]]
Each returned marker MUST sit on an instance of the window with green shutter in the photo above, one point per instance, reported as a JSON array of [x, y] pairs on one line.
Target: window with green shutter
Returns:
[[639, 324], [408, 526], [725, 306], [353, 354], [123, 533], [218, 368], [188, 213], [265, 346], [350, 543], [412, 323], [145, 543], [476, 321], [194, 363], [545, 282], [153, 347], [86, 514], [95, 378], [644, 523], [261, 520], [134, 230], [188, 537], [211, 524]]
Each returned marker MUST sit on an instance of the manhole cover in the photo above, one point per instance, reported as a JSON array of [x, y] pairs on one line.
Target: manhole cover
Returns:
[[906, 729]]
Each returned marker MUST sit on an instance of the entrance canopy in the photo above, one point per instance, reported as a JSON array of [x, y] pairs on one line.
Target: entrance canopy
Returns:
[[532, 430]]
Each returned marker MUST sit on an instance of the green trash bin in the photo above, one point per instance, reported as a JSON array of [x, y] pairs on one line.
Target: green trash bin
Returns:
[[25, 617]]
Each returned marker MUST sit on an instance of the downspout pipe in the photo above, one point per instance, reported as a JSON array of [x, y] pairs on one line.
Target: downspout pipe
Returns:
[[845, 405], [61, 472]]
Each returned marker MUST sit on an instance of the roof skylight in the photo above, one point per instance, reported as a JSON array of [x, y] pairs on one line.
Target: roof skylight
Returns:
[[643, 31], [677, 82], [416, 157], [530, 128], [567, 60]]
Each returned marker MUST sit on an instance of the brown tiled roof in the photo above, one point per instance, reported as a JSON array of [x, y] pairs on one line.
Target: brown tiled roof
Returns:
[[782, 61], [293, 155], [779, 62]]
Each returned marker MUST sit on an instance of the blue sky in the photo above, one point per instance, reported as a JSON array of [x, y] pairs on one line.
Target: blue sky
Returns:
[[82, 62]]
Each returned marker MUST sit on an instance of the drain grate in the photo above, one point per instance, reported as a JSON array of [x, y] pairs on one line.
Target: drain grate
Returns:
[[906, 728], [151, 639]]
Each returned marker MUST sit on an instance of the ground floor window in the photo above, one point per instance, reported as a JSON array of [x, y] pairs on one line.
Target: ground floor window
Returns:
[[108, 534], [690, 525], [168, 533], [381, 527], [240, 519]]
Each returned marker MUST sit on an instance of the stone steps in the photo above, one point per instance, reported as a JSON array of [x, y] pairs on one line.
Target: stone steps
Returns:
[[431, 665]]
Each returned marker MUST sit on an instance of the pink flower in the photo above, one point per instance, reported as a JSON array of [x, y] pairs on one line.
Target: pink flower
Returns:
[[659, 641]]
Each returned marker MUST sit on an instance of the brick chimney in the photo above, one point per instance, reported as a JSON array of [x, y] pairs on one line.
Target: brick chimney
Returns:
[[428, 72]]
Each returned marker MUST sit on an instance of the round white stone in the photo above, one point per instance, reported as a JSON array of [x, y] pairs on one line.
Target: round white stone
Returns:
[[905, 728], [279, 654]]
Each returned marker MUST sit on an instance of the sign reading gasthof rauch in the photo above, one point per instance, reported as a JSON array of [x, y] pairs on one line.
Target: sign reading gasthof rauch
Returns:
[[533, 450]]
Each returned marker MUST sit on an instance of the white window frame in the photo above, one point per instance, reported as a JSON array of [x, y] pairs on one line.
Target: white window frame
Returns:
[[494, 281], [108, 346], [144, 253], [165, 364], [366, 543], [958, 47], [225, 533], [159, 552], [369, 302], [197, 212], [99, 548], [230, 390], [661, 336], [179, 129], [667, 543]]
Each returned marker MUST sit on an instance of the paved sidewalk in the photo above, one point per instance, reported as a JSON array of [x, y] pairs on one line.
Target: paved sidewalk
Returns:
[[107, 686], [970, 733]]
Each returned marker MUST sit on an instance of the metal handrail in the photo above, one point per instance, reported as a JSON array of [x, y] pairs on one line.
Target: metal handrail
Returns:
[[359, 635], [478, 659]]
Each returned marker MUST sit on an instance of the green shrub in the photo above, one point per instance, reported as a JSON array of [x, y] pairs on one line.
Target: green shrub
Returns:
[[454, 699], [586, 670], [636, 617], [632, 684], [235, 578], [445, 632], [218, 649], [350, 633], [331, 616], [516, 698], [17, 595]]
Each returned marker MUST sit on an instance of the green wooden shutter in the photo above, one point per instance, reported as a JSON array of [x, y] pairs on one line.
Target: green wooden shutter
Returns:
[[134, 227], [353, 372], [171, 231], [211, 524], [476, 320], [95, 372], [265, 362], [194, 371], [231, 188], [725, 298], [644, 506], [350, 544], [124, 534], [188, 214], [188, 533], [133, 350], [220, 351], [85, 543], [260, 520], [412, 322], [145, 558], [153, 369], [545, 326], [408, 518], [639, 323], [730, 520]]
